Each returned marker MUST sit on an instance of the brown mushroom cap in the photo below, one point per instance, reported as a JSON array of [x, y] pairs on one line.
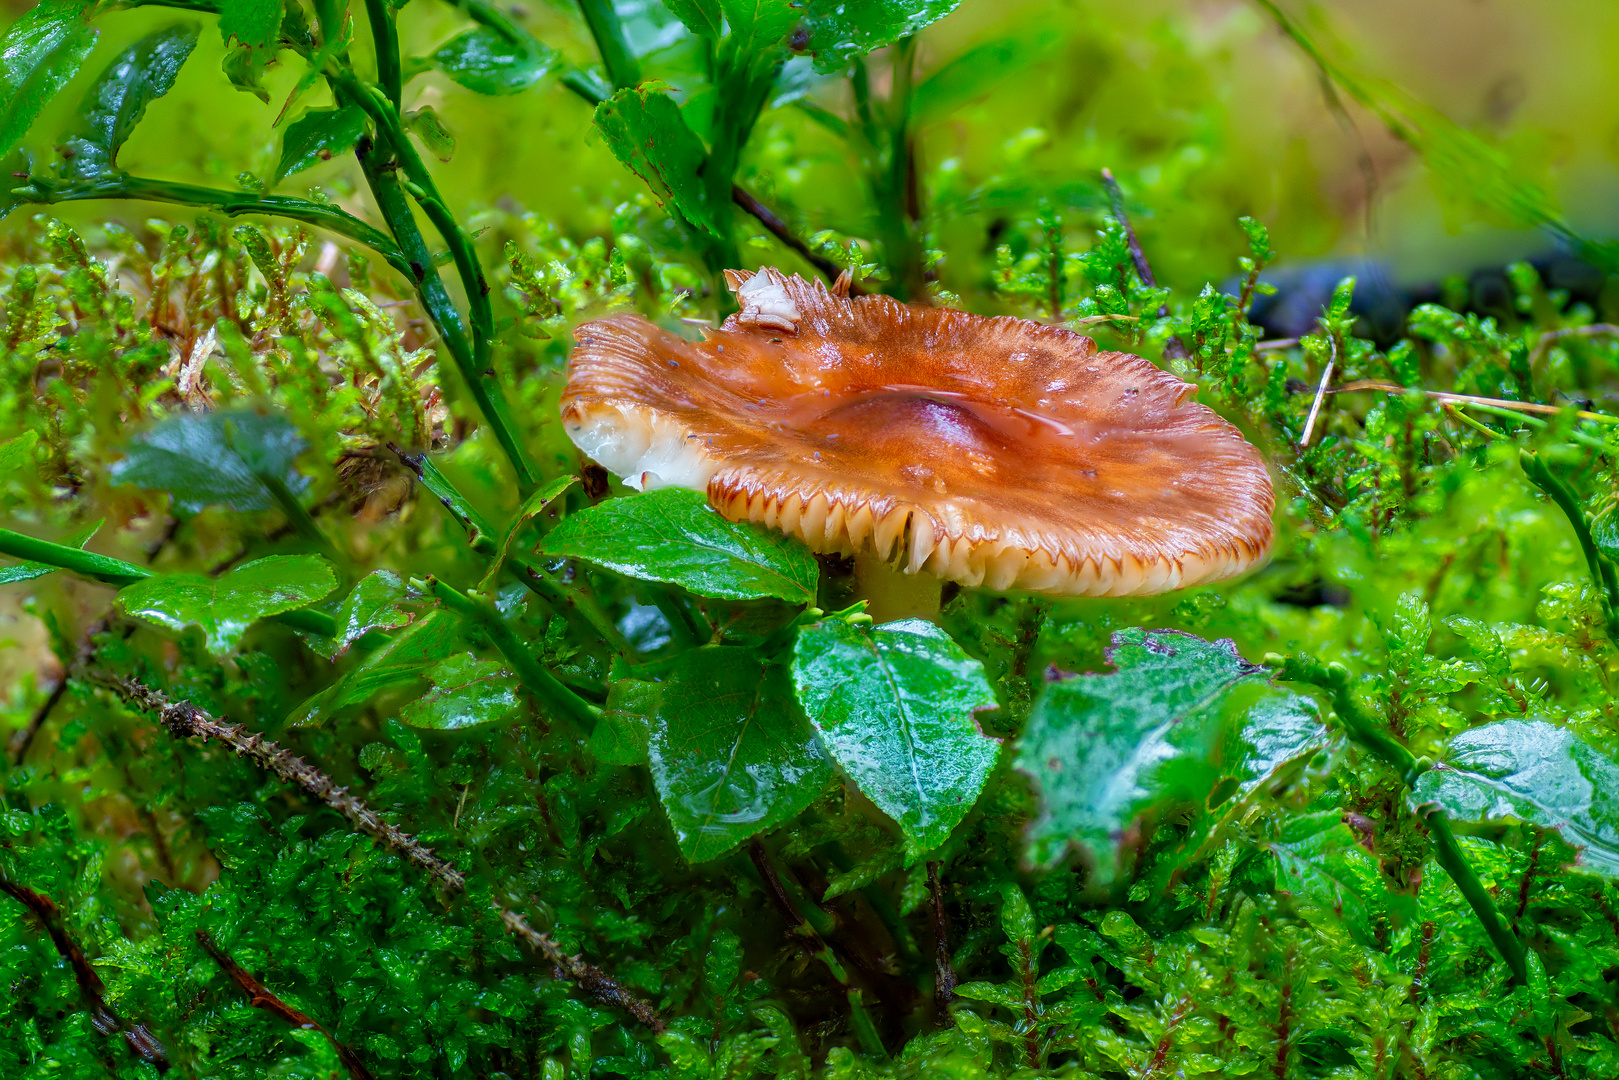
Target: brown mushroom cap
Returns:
[[988, 451]]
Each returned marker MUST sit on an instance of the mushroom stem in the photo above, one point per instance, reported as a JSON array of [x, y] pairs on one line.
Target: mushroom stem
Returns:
[[892, 594]]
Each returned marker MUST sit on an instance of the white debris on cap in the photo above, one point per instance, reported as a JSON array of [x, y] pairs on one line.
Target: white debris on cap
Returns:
[[764, 300]]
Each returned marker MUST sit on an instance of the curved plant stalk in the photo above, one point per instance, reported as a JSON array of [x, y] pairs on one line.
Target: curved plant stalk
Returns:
[[42, 191], [1602, 571], [1334, 678], [110, 571]]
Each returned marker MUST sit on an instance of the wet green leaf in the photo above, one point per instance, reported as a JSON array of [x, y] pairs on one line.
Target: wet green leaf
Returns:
[[1176, 717], [208, 458], [40, 52], [645, 130], [1605, 533], [224, 607], [255, 26], [840, 30], [674, 536], [895, 708], [1535, 771], [319, 135], [373, 604], [486, 62], [1324, 869], [118, 99], [401, 661], [731, 753], [467, 692], [705, 18]]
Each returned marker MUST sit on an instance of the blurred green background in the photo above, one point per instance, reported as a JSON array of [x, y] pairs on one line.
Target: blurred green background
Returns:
[[1203, 107]]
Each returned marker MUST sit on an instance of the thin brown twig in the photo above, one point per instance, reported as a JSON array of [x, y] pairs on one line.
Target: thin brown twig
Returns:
[[260, 997], [1174, 346], [1473, 399], [24, 739], [140, 1041], [778, 228], [182, 719], [944, 974], [1552, 337]]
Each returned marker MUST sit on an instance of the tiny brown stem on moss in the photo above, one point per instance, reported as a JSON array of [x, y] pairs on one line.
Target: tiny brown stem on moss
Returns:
[[944, 974], [183, 720], [1528, 877], [1174, 347], [260, 997], [778, 228], [140, 1041]]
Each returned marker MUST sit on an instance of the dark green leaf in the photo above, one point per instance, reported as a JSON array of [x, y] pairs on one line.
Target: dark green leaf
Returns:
[[731, 753], [1178, 716], [894, 706], [620, 738], [466, 692], [644, 129], [319, 135], [208, 458], [224, 607], [486, 62], [1537, 772], [1605, 534], [116, 102], [40, 52], [427, 126], [840, 30], [674, 536], [757, 25]]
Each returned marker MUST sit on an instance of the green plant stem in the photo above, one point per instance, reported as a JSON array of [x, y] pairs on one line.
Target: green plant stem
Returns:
[[231, 203], [1602, 571], [611, 44], [394, 148], [1334, 678], [116, 572], [540, 682], [390, 74]]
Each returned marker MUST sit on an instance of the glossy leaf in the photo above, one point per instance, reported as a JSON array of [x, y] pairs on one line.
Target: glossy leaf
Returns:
[[116, 102], [1535, 771], [373, 604], [758, 25], [204, 459], [895, 708], [1605, 534], [644, 129], [40, 52], [224, 607], [486, 62], [731, 754], [533, 506], [467, 692], [840, 30], [1323, 868], [319, 135], [402, 661], [674, 536], [1179, 716]]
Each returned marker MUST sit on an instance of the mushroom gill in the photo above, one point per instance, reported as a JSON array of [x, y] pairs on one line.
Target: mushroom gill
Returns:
[[988, 451]]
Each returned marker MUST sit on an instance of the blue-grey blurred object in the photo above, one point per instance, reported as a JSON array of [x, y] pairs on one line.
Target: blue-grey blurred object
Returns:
[[1304, 289]]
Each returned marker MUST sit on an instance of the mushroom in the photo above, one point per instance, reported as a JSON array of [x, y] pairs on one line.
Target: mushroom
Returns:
[[928, 443]]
